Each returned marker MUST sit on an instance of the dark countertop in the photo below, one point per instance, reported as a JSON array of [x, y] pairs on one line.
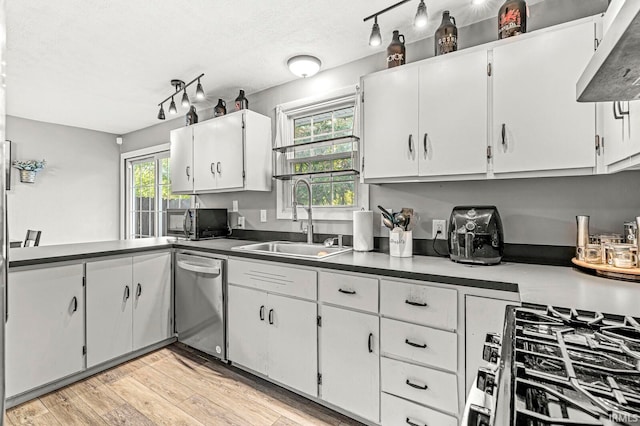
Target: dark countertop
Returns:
[[556, 285]]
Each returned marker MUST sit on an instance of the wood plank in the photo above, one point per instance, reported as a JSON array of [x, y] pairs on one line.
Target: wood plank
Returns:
[[156, 356], [22, 413], [57, 397], [76, 412], [211, 413], [46, 419], [285, 421], [150, 404], [7, 421], [168, 388], [114, 374], [102, 399], [127, 415]]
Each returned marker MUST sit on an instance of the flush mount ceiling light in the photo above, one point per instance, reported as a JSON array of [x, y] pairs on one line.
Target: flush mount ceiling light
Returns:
[[304, 65], [420, 20], [477, 2], [180, 86]]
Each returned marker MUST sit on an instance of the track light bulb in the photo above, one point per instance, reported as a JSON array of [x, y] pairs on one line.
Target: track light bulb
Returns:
[[185, 99], [172, 107], [375, 39], [420, 20], [161, 112], [199, 91]]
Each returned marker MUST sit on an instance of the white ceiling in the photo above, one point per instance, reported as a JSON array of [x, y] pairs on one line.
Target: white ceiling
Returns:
[[106, 64]]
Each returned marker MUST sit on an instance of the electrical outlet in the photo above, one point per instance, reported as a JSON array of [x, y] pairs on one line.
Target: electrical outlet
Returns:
[[240, 222], [263, 215], [235, 206], [439, 225]]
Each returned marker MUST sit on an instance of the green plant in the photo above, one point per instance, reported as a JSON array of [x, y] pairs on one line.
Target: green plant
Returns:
[[31, 165]]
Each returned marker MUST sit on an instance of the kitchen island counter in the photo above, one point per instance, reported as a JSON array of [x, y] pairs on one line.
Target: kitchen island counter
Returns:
[[548, 285]]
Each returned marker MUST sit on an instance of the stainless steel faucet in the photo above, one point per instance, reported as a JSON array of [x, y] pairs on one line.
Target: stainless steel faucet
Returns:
[[308, 209]]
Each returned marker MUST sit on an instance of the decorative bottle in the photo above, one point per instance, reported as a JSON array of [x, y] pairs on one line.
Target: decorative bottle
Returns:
[[191, 117], [512, 19], [220, 109], [446, 37], [241, 101], [396, 52]]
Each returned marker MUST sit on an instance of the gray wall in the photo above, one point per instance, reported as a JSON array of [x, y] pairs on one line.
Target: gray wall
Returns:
[[536, 211], [76, 197]]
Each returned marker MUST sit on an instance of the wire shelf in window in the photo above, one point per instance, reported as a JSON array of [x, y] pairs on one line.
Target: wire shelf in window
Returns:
[[336, 156]]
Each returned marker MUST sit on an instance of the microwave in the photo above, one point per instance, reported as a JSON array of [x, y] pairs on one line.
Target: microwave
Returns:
[[196, 224]]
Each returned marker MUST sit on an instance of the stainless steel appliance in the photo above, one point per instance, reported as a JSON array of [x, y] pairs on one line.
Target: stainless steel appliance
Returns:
[[197, 224], [559, 366], [476, 235], [200, 303]]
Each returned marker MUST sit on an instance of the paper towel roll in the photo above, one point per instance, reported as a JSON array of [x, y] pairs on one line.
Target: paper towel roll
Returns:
[[363, 230]]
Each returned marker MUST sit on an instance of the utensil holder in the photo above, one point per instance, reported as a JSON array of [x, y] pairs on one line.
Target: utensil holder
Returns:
[[400, 243]]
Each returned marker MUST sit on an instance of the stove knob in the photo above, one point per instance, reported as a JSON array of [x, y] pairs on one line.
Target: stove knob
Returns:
[[486, 380], [478, 416], [491, 353]]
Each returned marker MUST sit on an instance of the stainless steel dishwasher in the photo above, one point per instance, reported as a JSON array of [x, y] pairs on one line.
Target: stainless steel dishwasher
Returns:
[[200, 302]]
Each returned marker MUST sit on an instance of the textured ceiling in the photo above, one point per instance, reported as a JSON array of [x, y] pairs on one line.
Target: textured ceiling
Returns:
[[105, 64]]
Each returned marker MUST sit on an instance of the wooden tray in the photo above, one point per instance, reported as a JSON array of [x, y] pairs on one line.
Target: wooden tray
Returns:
[[604, 270]]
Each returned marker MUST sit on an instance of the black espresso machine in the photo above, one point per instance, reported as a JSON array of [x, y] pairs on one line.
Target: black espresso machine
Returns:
[[476, 235]]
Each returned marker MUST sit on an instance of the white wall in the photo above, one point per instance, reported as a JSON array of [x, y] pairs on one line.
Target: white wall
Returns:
[[535, 211], [76, 197]]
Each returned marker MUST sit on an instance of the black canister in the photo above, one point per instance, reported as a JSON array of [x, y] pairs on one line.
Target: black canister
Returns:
[[512, 19], [446, 37], [192, 116], [241, 101], [220, 109], [396, 52]]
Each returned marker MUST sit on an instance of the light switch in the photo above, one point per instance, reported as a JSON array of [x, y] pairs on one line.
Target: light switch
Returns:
[[263, 215], [235, 206]]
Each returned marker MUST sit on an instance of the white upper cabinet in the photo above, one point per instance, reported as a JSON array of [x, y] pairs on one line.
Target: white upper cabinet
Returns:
[[391, 123], [453, 115], [228, 153], [181, 161], [621, 135], [537, 124]]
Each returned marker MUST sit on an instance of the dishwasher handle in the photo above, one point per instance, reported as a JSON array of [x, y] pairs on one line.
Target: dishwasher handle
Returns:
[[198, 268]]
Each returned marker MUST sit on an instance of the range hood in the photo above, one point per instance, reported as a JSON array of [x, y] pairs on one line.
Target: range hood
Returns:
[[613, 74]]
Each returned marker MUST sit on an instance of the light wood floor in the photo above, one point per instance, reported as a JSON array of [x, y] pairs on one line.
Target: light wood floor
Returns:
[[173, 386]]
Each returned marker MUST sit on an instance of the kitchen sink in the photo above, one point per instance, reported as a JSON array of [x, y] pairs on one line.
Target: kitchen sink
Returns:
[[294, 250]]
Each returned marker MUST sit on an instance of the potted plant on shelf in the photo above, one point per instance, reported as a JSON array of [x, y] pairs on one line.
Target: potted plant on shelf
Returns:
[[28, 169]]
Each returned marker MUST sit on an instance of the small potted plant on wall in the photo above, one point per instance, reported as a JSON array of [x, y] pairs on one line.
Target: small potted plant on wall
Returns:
[[28, 169]]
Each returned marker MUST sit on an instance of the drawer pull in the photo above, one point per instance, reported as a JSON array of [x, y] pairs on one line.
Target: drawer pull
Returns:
[[409, 422], [271, 316], [370, 343], [413, 385], [347, 291], [409, 302], [262, 313], [415, 345]]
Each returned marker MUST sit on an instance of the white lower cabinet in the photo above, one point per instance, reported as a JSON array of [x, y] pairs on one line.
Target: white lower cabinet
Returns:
[[397, 411], [275, 336], [128, 305], [45, 326], [350, 361]]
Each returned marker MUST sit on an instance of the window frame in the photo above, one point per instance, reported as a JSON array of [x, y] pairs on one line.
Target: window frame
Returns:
[[335, 100]]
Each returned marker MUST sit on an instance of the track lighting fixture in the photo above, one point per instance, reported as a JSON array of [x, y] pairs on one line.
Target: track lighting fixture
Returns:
[[420, 21], [180, 86]]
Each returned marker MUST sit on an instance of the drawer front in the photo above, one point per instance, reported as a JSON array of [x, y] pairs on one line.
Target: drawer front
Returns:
[[421, 304], [396, 411], [273, 278], [436, 389], [351, 291], [421, 344]]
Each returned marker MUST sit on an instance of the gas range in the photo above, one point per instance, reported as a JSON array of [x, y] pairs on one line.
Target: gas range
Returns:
[[562, 366]]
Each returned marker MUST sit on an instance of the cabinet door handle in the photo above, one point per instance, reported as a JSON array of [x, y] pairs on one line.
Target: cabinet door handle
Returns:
[[504, 134], [415, 345], [126, 292], [413, 385], [219, 167], [346, 291], [615, 111], [411, 144], [370, 343], [409, 302], [139, 290], [409, 422], [271, 316], [188, 171], [262, 313], [424, 142], [213, 172], [74, 303]]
